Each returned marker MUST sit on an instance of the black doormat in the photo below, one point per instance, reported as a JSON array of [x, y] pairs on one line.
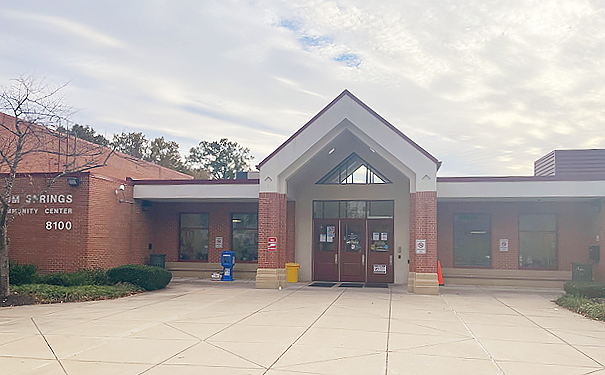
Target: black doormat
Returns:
[[351, 285], [377, 285], [322, 284]]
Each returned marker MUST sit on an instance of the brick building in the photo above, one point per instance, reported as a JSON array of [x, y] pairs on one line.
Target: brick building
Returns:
[[84, 220], [350, 198]]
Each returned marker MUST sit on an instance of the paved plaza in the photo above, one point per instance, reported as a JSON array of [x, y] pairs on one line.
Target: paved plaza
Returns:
[[203, 327]]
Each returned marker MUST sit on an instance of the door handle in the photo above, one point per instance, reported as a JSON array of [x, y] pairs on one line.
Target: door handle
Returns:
[[390, 260], [336, 258], [363, 259]]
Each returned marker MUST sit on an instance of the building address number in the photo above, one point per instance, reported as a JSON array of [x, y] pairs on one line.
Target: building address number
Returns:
[[58, 225]]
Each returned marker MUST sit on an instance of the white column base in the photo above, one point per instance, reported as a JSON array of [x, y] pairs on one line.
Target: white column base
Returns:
[[271, 278], [423, 283]]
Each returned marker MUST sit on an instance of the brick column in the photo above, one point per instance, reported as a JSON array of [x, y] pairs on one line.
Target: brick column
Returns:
[[423, 226], [271, 273]]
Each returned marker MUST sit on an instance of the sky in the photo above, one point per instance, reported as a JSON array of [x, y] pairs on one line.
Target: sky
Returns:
[[487, 87]]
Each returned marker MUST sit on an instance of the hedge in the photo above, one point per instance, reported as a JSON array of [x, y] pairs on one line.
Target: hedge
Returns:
[[22, 273], [81, 277], [591, 307], [44, 293], [147, 277], [584, 289]]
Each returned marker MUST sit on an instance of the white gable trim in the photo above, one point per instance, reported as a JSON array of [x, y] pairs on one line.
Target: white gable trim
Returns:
[[348, 113]]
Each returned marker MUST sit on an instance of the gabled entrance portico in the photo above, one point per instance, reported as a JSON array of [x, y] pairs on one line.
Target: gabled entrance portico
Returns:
[[352, 243]]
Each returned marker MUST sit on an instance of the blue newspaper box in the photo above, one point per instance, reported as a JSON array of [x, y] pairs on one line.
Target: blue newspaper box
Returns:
[[228, 261]]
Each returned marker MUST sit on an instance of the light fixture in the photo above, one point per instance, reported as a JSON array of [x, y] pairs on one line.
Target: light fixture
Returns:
[[331, 151], [73, 181]]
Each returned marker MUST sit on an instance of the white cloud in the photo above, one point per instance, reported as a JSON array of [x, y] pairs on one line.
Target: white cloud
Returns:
[[486, 87]]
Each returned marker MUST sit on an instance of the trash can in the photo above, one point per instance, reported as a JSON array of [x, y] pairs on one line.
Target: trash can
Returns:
[[157, 260], [292, 272], [581, 272]]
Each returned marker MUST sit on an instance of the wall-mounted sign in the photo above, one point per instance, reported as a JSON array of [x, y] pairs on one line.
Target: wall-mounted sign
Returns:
[[380, 269], [504, 244], [218, 242], [272, 243], [420, 246]]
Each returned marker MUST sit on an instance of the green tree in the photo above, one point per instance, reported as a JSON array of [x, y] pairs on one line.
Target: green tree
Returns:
[[89, 134], [166, 154], [220, 158], [134, 144]]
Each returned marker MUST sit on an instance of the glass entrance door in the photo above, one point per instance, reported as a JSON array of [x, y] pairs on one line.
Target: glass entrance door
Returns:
[[325, 250], [380, 252], [353, 240], [353, 250]]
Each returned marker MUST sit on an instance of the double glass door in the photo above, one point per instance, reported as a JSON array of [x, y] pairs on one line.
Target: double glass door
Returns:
[[353, 250]]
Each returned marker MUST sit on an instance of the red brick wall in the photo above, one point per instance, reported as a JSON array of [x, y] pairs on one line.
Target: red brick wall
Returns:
[[412, 232], [573, 226], [111, 219], [53, 249], [423, 225], [599, 269], [272, 217], [291, 232], [164, 219]]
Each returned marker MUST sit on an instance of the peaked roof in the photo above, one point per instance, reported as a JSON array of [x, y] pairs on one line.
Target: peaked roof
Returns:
[[364, 106]]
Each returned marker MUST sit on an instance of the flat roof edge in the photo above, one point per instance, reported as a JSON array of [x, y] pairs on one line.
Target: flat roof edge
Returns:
[[196, 182], [522, 178]]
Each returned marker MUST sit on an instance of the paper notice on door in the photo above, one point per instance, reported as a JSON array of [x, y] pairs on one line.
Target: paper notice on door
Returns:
[[384, 236], [380, 269], [375, 236], [322, 237], [330, 233]]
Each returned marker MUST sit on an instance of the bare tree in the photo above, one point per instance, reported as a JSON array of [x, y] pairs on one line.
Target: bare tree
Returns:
[[33, 128]]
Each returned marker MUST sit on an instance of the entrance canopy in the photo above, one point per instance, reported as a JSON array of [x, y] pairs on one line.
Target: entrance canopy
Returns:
[[326, 131]]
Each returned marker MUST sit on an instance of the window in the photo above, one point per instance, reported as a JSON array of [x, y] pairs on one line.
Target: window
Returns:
[[245, 236], [538, 241], [353, 170], [472, 240], [194, 237], [353, 209], [380, 209]]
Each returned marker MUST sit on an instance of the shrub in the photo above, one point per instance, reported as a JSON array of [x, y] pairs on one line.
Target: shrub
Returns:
[[593, 308], [147, 277], [22, 273], [80, 277], [57, 293], [583, 289]]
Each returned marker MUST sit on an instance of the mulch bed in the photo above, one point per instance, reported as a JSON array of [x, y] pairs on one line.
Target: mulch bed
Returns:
[[17, 300]]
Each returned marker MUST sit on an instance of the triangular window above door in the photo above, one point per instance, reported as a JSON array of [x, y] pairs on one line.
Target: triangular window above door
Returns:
[[353, 170]]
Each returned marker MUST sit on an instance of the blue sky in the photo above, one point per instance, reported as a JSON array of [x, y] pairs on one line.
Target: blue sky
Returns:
[[486, 87]]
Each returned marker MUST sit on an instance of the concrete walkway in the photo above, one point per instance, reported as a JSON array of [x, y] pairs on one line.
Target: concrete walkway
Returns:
[[200, 327]]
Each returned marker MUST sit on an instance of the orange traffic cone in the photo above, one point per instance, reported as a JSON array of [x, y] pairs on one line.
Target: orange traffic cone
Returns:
[[439, 275]]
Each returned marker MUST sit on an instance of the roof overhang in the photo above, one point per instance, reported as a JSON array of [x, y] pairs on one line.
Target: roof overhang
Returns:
[[197, 191], [517, 189]]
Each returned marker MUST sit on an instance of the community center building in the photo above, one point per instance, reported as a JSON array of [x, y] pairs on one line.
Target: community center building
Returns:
[[349, 197]]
